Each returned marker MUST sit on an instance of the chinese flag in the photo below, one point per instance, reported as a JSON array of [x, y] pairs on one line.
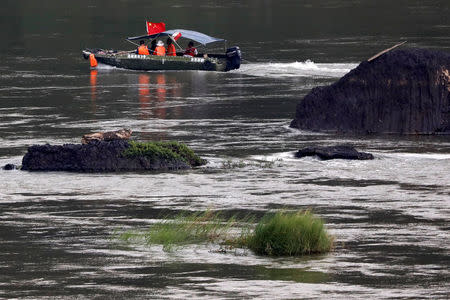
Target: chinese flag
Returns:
[[176, 35], [153, 28]]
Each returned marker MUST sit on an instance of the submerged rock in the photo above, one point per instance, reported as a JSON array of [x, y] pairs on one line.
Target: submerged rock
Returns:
[[403, 91], [334, 152], [9, 167], [112, 156]]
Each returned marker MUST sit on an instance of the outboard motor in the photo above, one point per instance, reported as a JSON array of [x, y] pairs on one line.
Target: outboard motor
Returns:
[[233, 58]]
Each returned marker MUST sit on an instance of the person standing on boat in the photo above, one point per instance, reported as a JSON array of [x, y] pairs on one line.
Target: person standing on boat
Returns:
[[142, 50], [170, 48], [191, 51], [160, 50]]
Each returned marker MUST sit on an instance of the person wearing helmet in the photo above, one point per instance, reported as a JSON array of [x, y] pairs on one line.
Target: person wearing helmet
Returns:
[[160, 50]]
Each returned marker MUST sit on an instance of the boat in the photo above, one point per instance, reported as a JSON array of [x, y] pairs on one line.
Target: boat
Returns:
[[205, 61]]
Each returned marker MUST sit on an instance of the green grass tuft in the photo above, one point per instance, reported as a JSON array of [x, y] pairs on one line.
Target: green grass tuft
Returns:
[[281, 234], [163, 150], [290, 234], [264, 164], [186, 229]]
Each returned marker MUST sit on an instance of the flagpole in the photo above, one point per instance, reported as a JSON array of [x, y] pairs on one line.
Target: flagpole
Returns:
[[132, 42], [171, 37]]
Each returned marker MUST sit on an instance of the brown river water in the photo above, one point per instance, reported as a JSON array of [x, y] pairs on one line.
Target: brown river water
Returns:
[[390, 216]]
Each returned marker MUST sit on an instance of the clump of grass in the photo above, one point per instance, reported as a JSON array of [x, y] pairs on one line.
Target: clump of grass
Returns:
[[186, 229], [264, 164], [281, 234], [163, 150], [229, 164], [290, 234]]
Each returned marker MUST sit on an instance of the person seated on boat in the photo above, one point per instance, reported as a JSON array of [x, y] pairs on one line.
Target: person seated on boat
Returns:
[[170, 48], [153, 47], [142, 50], [191, 51], [160, 50]]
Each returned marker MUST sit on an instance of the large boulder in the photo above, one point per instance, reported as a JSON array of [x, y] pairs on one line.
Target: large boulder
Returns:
[[110, 156], [403, 91]]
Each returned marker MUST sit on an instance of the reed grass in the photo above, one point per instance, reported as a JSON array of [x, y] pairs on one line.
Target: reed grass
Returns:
[[187, 229], [290, 234], [280, 234], [263, 164]]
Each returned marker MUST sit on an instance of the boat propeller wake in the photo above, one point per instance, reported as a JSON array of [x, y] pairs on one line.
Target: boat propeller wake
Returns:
[[296, 69]]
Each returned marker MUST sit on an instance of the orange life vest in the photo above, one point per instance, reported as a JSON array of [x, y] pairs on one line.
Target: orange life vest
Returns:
[[143, 50], [92, 60], [160, 51], [171, 50]]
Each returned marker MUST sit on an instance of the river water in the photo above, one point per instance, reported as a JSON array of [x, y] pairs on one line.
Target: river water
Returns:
[[390, 216]]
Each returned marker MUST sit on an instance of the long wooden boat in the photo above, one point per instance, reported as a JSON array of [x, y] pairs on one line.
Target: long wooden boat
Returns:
[[204, 61]]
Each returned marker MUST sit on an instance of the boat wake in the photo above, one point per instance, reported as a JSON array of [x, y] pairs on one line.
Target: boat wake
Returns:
[[296, 69]]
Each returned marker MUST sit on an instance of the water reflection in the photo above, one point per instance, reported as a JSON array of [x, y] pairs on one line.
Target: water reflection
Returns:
[[156, 91], [93, 83], [144, 95], [161, 90], [152, 96]]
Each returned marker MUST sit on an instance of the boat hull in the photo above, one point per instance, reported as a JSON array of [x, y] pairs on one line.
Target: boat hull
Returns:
[[127, 60]]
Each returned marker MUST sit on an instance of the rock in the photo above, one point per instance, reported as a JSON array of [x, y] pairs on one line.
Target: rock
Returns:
[[403, 91], [9, 167], [103, 156], [334, 152], [122, 134]]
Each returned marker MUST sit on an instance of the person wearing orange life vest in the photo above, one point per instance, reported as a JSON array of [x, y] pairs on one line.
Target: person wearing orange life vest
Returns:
[[170, 48], [142, 50], [160, 50], [191, 51]]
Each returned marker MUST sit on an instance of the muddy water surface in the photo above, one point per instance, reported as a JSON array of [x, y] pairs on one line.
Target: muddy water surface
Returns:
[[389, 216]]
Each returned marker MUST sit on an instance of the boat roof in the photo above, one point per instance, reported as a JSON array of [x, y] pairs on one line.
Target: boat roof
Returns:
[[188, 34]]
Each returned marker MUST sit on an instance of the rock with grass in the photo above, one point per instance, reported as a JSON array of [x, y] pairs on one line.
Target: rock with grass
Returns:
[[402, 92], [111, 156], [334, 152]]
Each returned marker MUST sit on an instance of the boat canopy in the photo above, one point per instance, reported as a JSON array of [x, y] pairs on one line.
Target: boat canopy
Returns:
[[188, 34]]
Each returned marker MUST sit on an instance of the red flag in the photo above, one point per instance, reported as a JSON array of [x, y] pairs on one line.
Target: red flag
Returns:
[[176, 36], [153, 28]]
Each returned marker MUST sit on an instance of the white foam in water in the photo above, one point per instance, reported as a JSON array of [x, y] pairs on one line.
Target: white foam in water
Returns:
[[296, 69], [106, 67], [421, 155]]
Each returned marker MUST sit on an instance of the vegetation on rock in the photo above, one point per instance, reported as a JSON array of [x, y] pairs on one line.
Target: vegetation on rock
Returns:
[[163, 150]]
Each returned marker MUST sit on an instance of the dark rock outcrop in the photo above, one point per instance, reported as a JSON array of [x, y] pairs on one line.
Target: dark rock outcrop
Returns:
[[97, 156], [9, 167], [334, 152], [403, 91]]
